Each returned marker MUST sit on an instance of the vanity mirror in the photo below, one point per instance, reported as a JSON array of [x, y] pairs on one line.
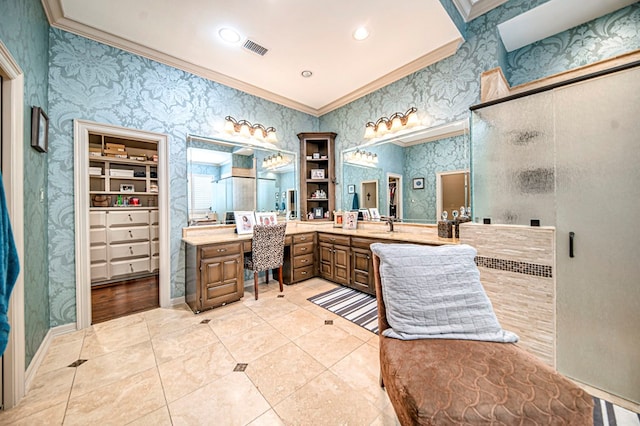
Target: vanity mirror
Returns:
[[225, 176], [384, 173]]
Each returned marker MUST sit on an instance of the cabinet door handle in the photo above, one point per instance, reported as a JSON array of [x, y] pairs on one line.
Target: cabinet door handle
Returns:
[[304, 273], [130, 218], [303, 238], [304, 261], [332, 239], [130, 234], [303, 249], [571, 237], [221, 250], [131, 267], [130, 249]]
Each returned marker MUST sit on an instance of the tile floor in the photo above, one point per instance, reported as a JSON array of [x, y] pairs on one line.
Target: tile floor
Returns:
[[171, 367]]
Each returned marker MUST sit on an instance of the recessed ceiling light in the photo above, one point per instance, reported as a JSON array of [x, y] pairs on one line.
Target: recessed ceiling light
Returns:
[[306, 73], [361, 33], [229, 35]]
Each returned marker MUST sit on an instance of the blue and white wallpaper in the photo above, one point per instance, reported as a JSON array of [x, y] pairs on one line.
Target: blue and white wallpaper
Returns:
[[87, 80], [25, 32]]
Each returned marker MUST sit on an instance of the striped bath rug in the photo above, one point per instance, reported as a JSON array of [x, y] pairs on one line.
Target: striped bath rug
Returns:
[[353, 305], [362, 309]]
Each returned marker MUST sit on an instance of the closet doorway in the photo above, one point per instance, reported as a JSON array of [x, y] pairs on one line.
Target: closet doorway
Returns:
[[394, 196], [453, 192]]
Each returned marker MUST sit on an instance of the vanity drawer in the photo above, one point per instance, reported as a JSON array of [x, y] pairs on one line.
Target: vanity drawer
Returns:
[[154, 217], [97, 219], [99, 271], [128, 218], [364, 243], [302, 261], [153, 232], [99, 253], [123, 235], [300, 274], [155, 263], [155, 248], [302, 238], [219, 250], [129, 267], [120, 251], [334, 239], [98, 236], [304, 248]]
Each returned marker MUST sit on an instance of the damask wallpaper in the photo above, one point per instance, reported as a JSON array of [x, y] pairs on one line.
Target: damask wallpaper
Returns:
[[24, 31]]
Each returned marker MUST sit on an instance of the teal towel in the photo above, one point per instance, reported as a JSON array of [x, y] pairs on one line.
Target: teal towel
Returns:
[[9, 268], [356, 204]]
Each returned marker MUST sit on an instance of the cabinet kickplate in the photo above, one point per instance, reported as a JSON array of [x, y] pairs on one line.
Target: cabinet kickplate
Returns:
[[240, 367], [328, 322], [77, 363]]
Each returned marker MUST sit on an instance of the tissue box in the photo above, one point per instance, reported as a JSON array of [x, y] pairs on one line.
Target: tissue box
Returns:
[[95, 171], [121, 173]]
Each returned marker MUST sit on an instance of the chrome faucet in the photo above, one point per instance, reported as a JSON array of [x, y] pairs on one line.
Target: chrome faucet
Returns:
[[390, 223]]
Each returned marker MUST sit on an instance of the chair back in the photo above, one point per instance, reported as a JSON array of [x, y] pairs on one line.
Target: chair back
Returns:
[[382, 312], [267, 246]]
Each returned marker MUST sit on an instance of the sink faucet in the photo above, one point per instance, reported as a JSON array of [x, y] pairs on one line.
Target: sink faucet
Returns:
[[390, 223]]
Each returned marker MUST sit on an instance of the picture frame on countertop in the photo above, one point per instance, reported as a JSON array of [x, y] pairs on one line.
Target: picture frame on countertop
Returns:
[[39, 129], [245, 221], [365, 214], [375, 214], [317, 173], [418, 183], [266, 218], [350, 220], [338, 219], [318, 213], [127, 187]]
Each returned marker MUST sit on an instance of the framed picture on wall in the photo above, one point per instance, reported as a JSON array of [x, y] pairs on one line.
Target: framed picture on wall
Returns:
[[418, 183], [351, 189], [39, 129]]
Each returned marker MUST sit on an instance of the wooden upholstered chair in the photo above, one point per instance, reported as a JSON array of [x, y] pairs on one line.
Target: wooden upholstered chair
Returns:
[[267, 252]]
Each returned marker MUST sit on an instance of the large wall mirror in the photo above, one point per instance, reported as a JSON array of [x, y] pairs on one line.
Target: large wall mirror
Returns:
[[224, 176], [412, 177]]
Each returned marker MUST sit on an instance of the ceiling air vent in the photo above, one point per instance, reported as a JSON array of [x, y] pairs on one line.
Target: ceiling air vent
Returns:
[[255, 47]]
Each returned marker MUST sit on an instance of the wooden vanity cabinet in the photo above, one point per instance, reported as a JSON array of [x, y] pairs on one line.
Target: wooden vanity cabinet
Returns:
[[300, 265], [362, 265], [334, 258], [214, 275]]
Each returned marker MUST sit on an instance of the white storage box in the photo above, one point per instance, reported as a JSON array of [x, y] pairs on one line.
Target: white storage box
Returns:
[[121, 173], [95, 171]]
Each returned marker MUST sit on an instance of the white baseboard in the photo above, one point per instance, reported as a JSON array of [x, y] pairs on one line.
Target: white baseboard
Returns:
[[30, 374], [178, 301]]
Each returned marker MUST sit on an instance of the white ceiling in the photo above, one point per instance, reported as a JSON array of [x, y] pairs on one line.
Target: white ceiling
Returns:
[[300, 35]]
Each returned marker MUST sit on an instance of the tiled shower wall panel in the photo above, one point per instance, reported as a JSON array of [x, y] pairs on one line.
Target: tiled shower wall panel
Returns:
[[517, 270]]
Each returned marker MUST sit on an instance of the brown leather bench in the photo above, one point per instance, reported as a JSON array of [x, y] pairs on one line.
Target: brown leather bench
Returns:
[[453, 382]]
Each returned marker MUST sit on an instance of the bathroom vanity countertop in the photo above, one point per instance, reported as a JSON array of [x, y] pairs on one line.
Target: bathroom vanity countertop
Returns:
[[420, 234]]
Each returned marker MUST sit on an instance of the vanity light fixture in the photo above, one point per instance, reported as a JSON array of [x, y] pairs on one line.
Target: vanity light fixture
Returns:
[[361, 158], [276, 161], [248, 130], [397, 121]]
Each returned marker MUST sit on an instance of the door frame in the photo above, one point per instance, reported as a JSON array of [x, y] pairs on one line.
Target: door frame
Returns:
[[399, 193], [439, 195], [13, 385], [369, 182], [82, 202]]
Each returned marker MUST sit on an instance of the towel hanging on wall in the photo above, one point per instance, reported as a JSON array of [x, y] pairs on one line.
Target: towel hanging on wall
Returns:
[[9, 268], [356, 204]]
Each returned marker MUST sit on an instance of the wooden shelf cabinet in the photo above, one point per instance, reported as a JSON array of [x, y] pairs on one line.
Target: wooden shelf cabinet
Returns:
[[317, 175]]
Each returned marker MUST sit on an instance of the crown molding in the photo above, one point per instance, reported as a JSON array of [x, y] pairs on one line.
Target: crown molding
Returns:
[[470, 10]]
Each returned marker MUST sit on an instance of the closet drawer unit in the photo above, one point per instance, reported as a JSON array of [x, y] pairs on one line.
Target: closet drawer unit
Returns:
[[123, 235], [340, 240], [120, 251], [155, 248], [154, 217], [302, 261], [99, 272], [302, 249], [303, 238], [98, 254], [129, 267], [153, 233], [97, 219], [155, 263], [128, 218], [98, 236], [300, 274]]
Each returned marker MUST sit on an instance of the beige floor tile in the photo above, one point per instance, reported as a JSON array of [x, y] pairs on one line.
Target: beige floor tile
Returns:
[[47, 390], [234, 322], [385, 419], [195, 369], [102, 340], [297, 323], [374, 341], [174, 312], [270, 418], [328, 344], [318, 311], [361, 370], [273, 308], [67, 338], [112, 367], [125, 321], [254, 343], [169, 346], [224, 310], [283, 371], [160, 417], [326, 400], [300, 296], [50, 416], [177, 321], [60, 355], [353, 329], [119, 402], [230, 400]]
